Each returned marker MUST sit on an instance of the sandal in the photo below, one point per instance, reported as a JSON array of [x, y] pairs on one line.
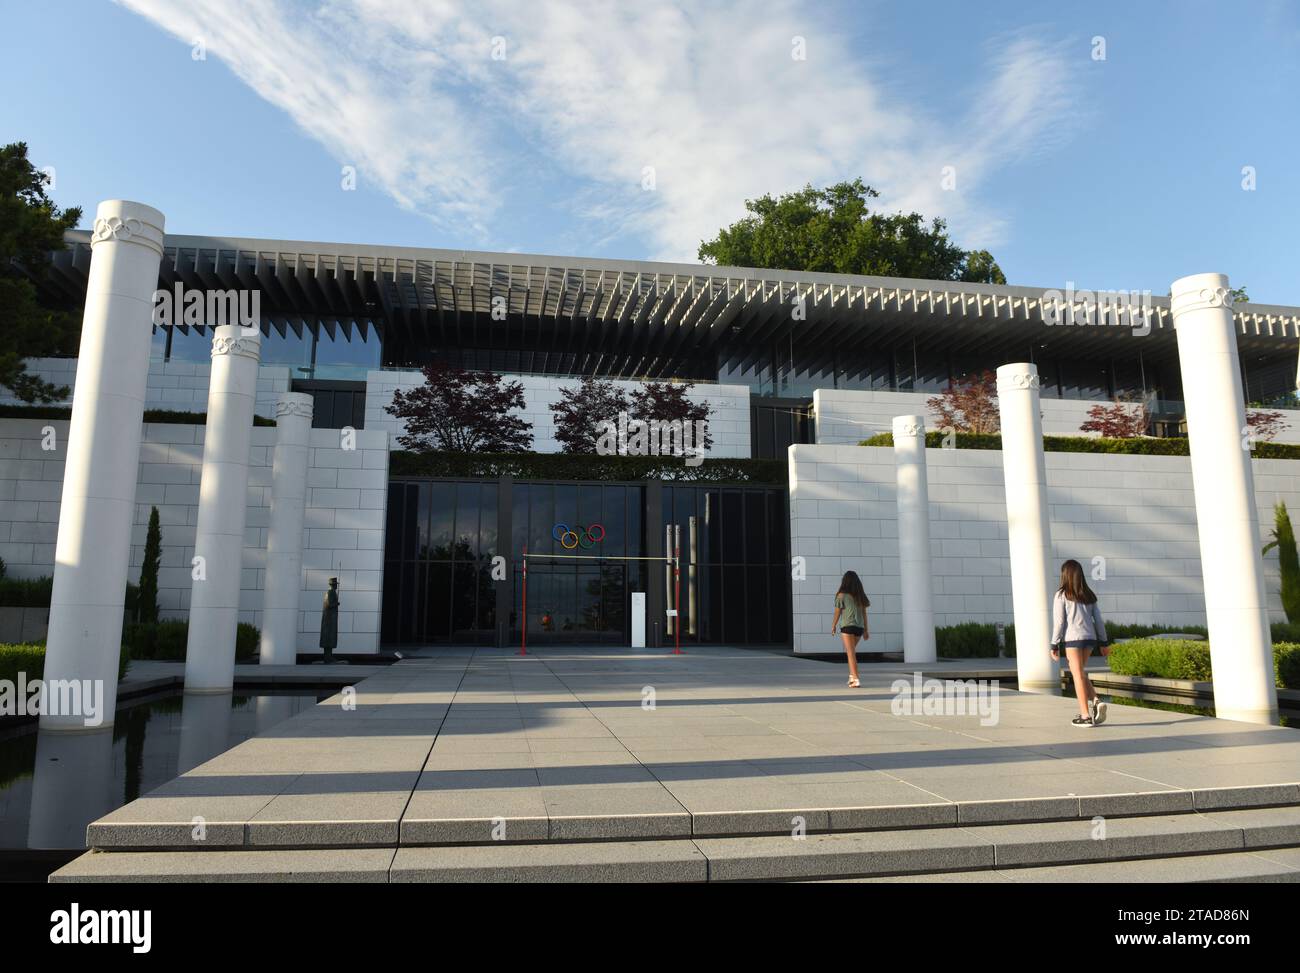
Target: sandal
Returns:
[[854, 684]]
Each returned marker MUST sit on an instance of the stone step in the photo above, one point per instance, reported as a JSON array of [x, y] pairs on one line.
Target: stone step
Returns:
[[980, 852], [263, 810], [1269, 865], [263, 865]]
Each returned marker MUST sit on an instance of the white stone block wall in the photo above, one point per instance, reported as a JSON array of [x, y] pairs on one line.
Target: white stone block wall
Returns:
[[729, 424], [343, 530], [176, 385], [847, 417], [1136, 512]]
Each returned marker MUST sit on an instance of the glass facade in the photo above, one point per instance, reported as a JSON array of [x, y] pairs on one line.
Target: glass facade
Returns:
[[572, 532], [906, 367], [441, 538], [590, 546], [343, 355], [735, 576]]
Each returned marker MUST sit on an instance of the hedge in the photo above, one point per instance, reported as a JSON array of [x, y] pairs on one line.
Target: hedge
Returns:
[[29, 658], [36, 592], [1286, 664], [568, 466], [1087, 444], [972, 640], [25, 592], [1162, 658], [978, 640], [166, 416], [1181, 659], [167, 640]]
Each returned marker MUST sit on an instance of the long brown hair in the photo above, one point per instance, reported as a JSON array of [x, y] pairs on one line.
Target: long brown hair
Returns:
[[1073, 586], [851, 585]]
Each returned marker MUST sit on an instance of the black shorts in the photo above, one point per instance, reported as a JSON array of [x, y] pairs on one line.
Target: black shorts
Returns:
[[851, 630]]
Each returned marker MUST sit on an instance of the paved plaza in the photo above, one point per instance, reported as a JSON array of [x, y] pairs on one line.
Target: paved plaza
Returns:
[[467, 759]]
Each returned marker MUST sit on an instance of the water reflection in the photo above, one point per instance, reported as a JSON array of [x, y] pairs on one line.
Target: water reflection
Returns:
[[52, 785], [72, 785], [205, 729]]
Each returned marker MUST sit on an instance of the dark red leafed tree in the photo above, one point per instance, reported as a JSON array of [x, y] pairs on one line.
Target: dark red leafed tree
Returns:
[[667, 401], [970, 404], [459, 411], [581, 407], [1265, 426], [1119, 420]]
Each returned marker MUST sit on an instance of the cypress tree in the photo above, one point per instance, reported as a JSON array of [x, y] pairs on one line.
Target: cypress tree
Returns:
[[147, 601], [1288, 561]]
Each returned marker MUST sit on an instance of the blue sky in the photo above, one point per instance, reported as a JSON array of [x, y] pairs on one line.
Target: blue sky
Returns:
[[1118, 173]]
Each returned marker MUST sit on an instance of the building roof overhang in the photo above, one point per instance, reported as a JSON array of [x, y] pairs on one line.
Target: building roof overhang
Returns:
[[638, 317]]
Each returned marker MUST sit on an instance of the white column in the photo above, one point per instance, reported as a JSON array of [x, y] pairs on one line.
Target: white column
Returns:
[[1227, 520], [94, 540], [1029, 533], [283, 584], [223, 499], [913, 497]]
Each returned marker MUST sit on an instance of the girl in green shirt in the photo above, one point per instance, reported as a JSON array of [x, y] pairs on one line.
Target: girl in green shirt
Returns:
[[851, 619]]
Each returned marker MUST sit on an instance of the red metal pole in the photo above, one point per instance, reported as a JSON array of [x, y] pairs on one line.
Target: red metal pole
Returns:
[[677, 591], [523, 625]]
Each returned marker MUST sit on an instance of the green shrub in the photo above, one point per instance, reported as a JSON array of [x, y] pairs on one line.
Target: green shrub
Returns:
[[166, 640], [1162, 658], [30, 658], [1088, 444], [25, 592], [36, 592], [1285, 631], [972, 640], [1286, 664], [21, 657]]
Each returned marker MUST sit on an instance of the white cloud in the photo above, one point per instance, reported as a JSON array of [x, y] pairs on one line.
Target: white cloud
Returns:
[[592, 93]]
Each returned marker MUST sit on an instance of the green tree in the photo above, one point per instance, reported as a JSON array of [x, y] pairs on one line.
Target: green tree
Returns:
[[1288, 561], [30, 227], [146, 604], [833, 230]]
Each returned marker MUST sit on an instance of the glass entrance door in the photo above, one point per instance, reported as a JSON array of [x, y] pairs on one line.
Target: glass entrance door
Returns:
[[575, 602]]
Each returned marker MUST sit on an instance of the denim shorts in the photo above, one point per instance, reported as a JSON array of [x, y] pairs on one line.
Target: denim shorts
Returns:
[[1088, 644]]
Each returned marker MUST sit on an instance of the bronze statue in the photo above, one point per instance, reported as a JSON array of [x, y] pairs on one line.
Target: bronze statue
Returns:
[[329, 620]]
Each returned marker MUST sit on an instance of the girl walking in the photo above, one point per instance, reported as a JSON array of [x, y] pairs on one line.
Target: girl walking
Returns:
[[1077, 627], [851, 619]]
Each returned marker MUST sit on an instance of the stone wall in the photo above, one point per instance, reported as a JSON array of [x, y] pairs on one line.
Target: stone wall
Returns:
[[1135, 512], [343, 532]]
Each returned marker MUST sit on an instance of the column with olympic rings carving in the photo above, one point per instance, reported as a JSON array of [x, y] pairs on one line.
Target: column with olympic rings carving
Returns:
[[578, 536]]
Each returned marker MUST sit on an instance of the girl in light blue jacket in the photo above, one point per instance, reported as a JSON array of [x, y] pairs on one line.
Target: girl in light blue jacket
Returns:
[[1077, 627]]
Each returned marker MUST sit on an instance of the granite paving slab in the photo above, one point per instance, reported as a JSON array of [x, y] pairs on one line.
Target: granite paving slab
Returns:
[[559, 745]]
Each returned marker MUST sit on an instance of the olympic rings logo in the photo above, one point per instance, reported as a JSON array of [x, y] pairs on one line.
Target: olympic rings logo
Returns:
[[578, 536]]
